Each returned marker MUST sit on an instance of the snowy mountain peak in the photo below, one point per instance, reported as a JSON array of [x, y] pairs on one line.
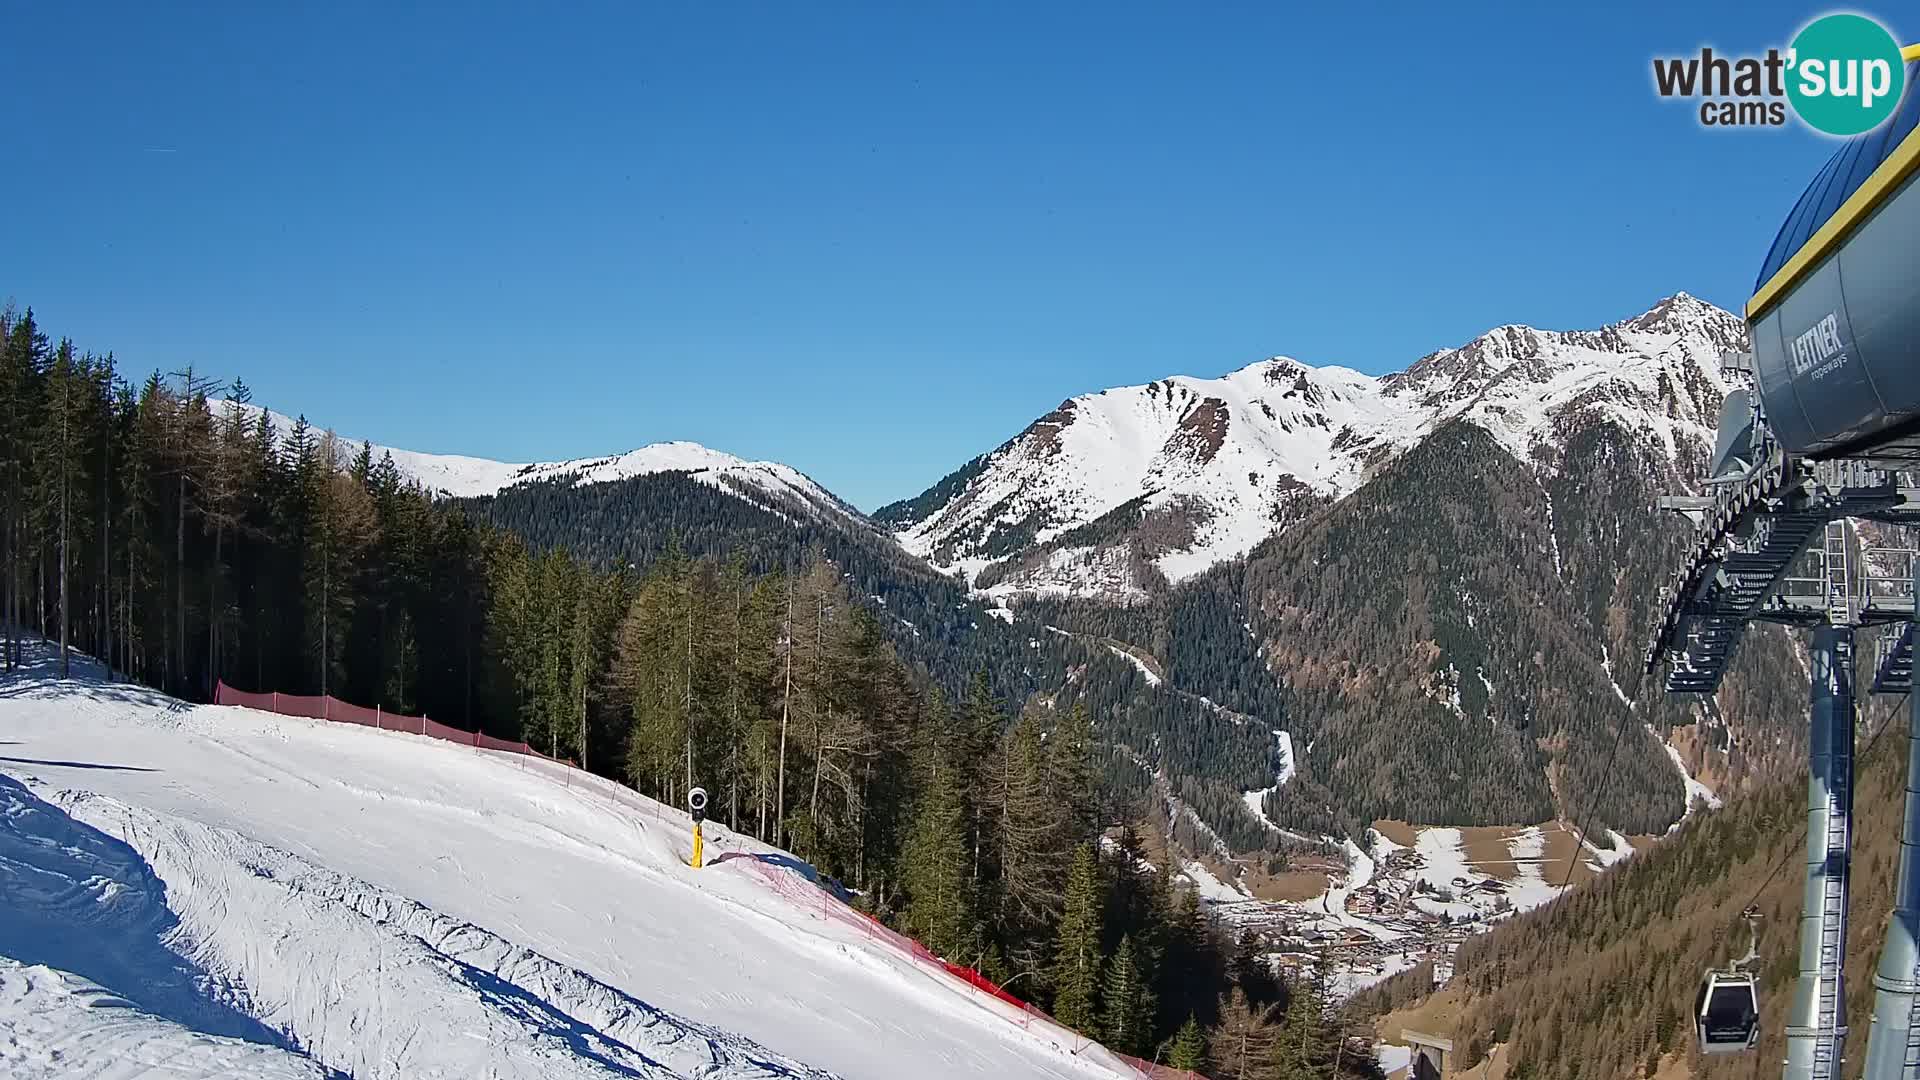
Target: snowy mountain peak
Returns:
[[1680, 313], [770, 485], [1184, 472]]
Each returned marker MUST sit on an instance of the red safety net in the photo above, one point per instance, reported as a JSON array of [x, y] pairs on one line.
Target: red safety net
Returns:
[[793, 884], [332, 708], [313, 708], [784, 880], [341, 712], [229, 696], [435, 730]]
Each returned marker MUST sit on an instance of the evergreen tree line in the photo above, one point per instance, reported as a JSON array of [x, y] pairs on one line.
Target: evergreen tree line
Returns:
[[1137, 963], [976, 831], [941, 633], [183, 540], [935, 627]]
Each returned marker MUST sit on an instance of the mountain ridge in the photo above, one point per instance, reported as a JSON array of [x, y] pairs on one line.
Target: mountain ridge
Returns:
[[1570, 432], [771, 485], [1203, 470]]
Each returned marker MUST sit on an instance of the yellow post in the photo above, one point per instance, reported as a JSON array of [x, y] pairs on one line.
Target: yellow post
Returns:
[[697, 809]]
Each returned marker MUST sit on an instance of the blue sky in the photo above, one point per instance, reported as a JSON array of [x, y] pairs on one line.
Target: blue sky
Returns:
[[867, 241]]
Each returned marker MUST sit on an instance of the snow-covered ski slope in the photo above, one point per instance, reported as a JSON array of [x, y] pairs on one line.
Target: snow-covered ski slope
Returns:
[[236, 894]]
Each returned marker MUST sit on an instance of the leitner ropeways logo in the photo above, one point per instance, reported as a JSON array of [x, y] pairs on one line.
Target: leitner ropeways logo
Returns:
[[1820, 349], [1842, 75]]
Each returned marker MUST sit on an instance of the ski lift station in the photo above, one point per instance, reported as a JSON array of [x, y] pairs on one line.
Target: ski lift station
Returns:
[[1822, 432]]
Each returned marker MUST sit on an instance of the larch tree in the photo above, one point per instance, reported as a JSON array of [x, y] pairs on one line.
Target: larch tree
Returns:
[[1241, 1045]]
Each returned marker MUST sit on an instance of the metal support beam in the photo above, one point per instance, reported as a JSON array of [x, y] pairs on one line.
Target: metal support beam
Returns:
[[1893, 1043], [1817, 1024]]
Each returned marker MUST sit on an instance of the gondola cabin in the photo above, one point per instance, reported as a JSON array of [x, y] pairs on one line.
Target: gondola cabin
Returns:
[[1727, 1014]]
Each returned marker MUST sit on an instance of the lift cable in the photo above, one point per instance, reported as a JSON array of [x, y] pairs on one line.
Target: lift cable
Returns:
[[1606, 773], [1886, 721]]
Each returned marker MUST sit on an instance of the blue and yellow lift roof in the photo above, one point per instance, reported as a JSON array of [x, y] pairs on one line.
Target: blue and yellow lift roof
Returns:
[[1857, 179]]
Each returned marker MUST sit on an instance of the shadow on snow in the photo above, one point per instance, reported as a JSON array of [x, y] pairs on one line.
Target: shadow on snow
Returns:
[[81, 901]]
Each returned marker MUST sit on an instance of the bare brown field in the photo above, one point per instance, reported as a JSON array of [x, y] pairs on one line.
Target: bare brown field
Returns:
[[1293, 885], [1397, 831], [1488, 848], [1488, 851]]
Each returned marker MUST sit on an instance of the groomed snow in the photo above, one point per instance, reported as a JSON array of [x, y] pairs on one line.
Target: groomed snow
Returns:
[[1529, 888], [1445, 858], [58, 1024], [1287, 765], [1256, 805], [391, 906]]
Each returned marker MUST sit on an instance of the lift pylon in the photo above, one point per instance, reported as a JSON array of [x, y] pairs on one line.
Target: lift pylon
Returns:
[[1778, 544]]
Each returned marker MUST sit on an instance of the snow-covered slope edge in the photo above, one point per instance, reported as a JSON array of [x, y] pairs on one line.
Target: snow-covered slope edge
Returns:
[[392, 906], [768, 484], [59, 1024], [1116, 488]]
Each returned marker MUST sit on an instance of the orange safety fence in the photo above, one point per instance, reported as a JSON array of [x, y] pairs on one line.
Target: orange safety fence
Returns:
[[784, 878], [315, 707]]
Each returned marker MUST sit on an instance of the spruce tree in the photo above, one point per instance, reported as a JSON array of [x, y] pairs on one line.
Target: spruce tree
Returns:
[[1076, 962], [1029, 842], [1306, 1044], [1075, 781], [979, 730], [1126, 1008], [1251, 972], [938, 871], [60, 466], [1189, 1049]]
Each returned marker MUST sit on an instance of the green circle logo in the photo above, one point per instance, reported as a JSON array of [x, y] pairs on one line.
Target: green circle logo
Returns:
[[1846, 75]]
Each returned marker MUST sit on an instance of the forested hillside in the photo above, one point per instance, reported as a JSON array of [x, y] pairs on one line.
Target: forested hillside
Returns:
[[1203, 755], [1444, 640], [1601, 983], [633, 522], [1458, 642], [1448, 620]]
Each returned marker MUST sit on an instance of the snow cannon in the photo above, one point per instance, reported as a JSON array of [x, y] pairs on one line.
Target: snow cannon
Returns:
[[1835, 314], [697, 806]]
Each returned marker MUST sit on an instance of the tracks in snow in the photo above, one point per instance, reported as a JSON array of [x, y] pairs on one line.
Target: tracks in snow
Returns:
[[361, 979]]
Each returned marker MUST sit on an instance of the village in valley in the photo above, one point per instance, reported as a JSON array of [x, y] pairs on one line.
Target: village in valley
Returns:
[[1412, 895]]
